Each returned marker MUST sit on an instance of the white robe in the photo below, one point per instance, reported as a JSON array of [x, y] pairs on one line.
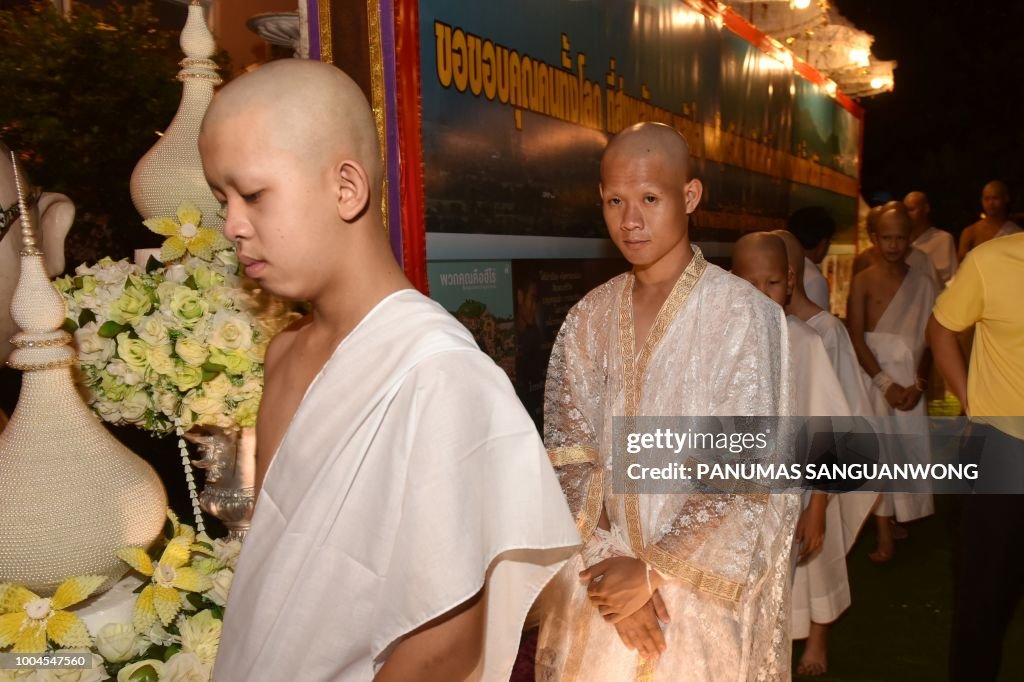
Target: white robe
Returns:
[[718, 347], [919, 260], [1008, 228], [816, 285], [898, 342], [409, 475], [855, 507], [940, 248], [821, 587]]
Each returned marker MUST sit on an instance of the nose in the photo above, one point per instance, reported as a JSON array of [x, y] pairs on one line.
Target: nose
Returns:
[[235, 226], [632, 217]]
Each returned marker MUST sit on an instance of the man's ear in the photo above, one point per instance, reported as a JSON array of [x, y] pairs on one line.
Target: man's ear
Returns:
[[693, 191], [56, 214], [790, 281], [353, 189]]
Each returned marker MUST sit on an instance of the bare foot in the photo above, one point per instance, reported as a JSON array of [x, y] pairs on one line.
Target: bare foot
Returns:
[[814, 661], [886, 545]]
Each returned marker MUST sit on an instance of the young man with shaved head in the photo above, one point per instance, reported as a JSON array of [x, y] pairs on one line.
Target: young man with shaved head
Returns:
[[668, 587], [995, 202], [937, 244], [887, 312], [821, 588], [408, 514], [916, 258]]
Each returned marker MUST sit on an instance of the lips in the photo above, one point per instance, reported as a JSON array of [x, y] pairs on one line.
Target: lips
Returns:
[[252, 266]]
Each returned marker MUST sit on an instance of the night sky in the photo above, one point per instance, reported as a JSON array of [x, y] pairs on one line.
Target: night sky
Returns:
[[954, 120]]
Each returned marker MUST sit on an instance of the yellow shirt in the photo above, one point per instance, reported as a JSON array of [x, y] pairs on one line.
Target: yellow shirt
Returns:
[[988, 292]]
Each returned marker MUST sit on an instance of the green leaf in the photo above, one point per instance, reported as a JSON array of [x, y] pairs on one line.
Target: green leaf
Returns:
[[85, 317], [111, 329], [153, 264], [196, 600], [171, 650], [191, 283], [145, 674], [69, 325]]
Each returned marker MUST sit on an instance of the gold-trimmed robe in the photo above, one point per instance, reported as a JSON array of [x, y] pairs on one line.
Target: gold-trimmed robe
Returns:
[[717, 347]]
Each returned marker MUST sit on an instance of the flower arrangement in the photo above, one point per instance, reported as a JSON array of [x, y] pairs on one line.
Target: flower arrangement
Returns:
[[175, 344], [176, 622]]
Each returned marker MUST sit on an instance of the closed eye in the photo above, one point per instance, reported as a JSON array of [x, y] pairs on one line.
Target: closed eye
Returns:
[[252, 198]]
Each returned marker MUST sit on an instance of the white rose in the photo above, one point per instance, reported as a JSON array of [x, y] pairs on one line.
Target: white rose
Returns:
[[218, 387], [161, 361], [118, 642], [108, 410], [176, 273], [227, 551], [166, 402], [185, 667], [218, 594], [230, 331], [133, 408], [153, 330], [125, 674], [93, 348], [203, 405], [191, 351]]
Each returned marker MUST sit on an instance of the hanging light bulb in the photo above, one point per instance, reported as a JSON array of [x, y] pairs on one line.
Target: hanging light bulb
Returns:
[[800, 4], [860, 56]]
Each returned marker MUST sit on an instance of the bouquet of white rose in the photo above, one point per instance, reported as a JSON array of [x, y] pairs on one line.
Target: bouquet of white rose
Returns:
[[173, 344]]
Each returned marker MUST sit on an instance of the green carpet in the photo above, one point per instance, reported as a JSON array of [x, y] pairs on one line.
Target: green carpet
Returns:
[[898, 625]]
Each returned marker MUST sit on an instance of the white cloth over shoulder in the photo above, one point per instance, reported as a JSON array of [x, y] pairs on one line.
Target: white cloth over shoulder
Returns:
[[821, 586], [409, 475], [815, 285], [898, 343], [940, 248], [854, 507], [1008, 228], [919, 260]]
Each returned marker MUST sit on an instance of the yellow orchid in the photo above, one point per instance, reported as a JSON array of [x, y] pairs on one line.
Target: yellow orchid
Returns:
[[185, 235], [160, 598], [28, 620]]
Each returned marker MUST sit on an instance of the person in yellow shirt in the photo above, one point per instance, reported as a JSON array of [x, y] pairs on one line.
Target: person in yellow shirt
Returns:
[[985, 293]]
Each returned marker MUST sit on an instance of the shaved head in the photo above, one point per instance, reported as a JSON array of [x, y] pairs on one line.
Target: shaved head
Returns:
[[307, 108], [652, 140], [918, 208], [761, 259], [996, 187], [794, 252]]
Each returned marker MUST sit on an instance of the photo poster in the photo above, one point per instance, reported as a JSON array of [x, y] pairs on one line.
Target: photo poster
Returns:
[[514, 309], [520, 97]]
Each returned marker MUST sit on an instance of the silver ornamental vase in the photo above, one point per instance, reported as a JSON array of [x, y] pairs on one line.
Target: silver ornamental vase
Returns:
[[229, 460]]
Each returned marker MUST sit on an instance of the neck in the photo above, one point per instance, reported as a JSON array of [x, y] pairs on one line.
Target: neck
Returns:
[[996, 220], [667, 270], [899, 267], [364, 275], [918, 231], [801, 306]]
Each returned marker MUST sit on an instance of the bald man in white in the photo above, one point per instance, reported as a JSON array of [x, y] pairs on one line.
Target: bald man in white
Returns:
[[408, 515], [937, 244]]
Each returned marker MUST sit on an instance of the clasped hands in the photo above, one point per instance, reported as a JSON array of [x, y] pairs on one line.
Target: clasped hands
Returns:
[[902, 398], [618, 587]]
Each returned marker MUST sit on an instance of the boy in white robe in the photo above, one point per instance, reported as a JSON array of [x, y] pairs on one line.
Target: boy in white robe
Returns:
[[855, 507], [821, 588], [408, 515], [887, 313]]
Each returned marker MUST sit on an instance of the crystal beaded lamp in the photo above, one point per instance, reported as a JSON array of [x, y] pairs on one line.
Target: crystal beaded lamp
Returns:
[[70, 494]]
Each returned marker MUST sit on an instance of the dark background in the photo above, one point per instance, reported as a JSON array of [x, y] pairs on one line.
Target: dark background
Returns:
[[953, 121]]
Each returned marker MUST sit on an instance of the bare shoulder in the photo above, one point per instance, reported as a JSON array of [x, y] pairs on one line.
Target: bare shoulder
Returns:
[[283, 342]]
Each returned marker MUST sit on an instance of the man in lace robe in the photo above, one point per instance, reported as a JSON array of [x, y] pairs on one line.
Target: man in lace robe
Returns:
[[668, 587]]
